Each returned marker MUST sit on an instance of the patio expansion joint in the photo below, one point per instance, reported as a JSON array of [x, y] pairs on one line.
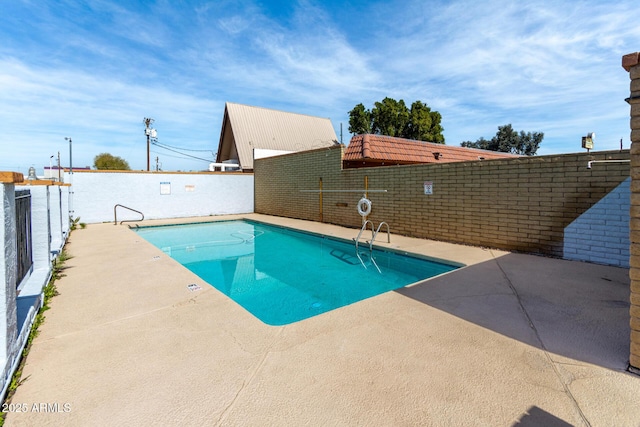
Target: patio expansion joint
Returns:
[[473, 296], [249, 378], [118, 320], [550, 360]]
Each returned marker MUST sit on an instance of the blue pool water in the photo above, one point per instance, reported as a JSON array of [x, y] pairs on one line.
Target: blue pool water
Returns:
[[282, 276]]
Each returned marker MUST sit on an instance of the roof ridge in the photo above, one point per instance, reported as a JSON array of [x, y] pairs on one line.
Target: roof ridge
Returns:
[[366, 147], [275, 110], [434, 144]]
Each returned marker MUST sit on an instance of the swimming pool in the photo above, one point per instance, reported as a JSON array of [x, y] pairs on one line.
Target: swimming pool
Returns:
[[283, 276]]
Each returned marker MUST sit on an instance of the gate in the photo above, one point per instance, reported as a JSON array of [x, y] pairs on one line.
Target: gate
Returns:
[[23, 234]]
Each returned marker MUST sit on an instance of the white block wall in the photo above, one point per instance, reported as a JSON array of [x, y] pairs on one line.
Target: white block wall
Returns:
[[94, 195], [601, 234]]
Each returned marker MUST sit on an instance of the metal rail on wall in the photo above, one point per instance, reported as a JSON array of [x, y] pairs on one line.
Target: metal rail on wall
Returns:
[[589, 163], [321, 191], [344, 191], [115, 217]]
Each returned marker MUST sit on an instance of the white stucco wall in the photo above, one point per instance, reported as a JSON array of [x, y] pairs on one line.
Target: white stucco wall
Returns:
[[158, 195]]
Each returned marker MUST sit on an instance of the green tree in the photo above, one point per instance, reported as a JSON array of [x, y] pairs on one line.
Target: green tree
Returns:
[[508, 140], [390, 117], [393, 118], [424, 124], [106, 161], [359, 120]]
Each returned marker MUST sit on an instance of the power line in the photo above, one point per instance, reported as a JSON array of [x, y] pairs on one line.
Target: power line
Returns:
[[183, 154], [173, 156], [180, 148]]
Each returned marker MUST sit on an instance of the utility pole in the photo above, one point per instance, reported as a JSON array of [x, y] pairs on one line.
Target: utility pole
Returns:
[[150, 134], [147, 152]]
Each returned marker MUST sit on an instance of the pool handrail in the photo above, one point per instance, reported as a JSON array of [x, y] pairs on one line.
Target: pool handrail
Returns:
[[376, 234], [364, 227], [115, 216]]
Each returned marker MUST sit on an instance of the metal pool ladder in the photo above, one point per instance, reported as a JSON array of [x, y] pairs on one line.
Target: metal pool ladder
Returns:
[[374, 233], [369, 257], [115, 216]]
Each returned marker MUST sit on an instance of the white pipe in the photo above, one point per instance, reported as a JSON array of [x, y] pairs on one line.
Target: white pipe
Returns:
[[605, 161], [343, 191]]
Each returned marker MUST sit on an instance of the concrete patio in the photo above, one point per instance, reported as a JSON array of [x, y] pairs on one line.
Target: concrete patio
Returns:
[[509, 340]]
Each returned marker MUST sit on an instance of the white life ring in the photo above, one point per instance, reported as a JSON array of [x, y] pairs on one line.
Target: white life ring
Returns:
[[364, 207]]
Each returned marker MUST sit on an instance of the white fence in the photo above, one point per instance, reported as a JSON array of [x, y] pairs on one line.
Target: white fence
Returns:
[[158, 194]]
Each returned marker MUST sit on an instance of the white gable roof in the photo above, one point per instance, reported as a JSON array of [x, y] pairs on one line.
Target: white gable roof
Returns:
[[260, 128]]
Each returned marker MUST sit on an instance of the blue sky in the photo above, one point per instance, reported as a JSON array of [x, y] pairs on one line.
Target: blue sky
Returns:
[[92, 70]]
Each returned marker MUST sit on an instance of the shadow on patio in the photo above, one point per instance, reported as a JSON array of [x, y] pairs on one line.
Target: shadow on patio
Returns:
[[572, 309]]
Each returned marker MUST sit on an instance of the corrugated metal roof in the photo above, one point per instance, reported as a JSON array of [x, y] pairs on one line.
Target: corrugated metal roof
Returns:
[[370, 150], [257, 127]]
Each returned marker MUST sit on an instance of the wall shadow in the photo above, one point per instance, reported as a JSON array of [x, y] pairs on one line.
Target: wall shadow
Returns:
[[579, 310], [23, 306], [536, 417]]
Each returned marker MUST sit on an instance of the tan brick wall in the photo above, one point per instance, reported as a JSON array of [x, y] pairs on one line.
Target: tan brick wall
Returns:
[[520, 204], [631, 63]]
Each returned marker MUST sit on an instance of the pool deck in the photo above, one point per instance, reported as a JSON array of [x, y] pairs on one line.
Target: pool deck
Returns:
[[509, 340]]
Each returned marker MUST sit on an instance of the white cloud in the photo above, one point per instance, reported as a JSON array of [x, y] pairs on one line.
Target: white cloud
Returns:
[[507, 61], [94, 70], [40, 107]]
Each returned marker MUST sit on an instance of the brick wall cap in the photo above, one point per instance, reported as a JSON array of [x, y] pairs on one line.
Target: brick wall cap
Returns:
[[630, 60]]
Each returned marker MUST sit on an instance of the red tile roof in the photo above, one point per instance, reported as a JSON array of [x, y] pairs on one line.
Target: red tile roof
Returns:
[[378, 150]]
